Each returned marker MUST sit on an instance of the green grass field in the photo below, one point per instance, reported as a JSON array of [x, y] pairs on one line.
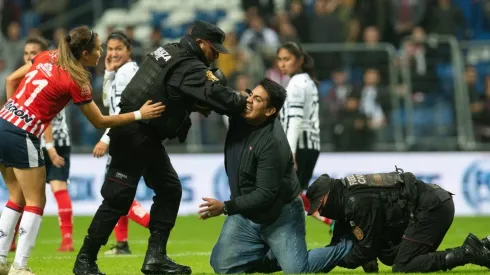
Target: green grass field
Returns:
[[191, 243]]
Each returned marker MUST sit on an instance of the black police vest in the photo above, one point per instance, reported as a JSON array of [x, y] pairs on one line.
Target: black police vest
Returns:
[[149, 84]]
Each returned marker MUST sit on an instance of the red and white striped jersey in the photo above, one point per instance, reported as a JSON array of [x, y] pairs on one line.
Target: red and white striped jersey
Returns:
[[45, 90]]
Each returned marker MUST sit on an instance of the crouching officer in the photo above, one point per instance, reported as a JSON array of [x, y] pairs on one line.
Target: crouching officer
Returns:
[[396, 218], [177, 74]]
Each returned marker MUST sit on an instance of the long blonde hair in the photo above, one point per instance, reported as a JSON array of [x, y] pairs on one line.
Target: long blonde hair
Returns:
[[70, 50]]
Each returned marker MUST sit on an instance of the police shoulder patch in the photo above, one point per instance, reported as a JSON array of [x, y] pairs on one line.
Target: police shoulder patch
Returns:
[[210, 76], [358, 233]]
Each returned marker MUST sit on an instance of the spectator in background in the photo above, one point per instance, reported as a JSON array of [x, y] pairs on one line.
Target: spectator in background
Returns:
[[421, 59], [156, 39], [404, 16], [324, 28], [351, 131], [14, 42], [371, 14], [137, 47], [470, 78], [227, 63], [480, 110], [371, 97], [445, 18], [299, 19], [261, 39], [375, 57], [58, 35]]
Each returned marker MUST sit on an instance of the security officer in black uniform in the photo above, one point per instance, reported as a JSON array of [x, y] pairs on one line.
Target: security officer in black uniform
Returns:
[[177, 74], [396, 218]]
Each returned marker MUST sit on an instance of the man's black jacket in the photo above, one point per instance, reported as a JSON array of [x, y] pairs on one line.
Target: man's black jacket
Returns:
[[266, 178]]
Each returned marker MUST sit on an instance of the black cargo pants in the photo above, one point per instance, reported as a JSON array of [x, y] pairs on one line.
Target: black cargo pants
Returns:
[[433, 217], [134, 155]]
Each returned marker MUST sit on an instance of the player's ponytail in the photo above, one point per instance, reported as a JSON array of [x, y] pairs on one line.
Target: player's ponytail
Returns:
[[308, 65], [70, 51]]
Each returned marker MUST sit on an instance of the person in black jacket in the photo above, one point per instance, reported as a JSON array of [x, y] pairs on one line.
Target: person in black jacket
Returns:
[[266, 217], [396, 218], [177, 74]]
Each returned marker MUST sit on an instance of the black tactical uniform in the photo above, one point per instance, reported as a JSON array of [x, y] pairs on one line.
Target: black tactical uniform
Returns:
[[178, 75], [396, 218]]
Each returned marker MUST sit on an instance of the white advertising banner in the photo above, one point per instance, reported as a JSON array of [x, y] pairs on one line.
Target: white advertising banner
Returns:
[[467, 175]]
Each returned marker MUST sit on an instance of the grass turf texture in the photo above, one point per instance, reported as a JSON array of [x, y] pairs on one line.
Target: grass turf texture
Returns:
[[191, 242]]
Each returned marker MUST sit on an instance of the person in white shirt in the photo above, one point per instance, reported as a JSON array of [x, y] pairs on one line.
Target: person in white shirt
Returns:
[[300, 114], [119, 71]]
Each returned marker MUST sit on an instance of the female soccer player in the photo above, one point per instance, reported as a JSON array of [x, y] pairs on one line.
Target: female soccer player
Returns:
[[36, 93], [55, 142], [120, 69], [299, 116]]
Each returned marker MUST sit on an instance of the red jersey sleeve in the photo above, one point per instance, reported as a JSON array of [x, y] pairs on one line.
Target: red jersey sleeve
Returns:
[[79, 95]]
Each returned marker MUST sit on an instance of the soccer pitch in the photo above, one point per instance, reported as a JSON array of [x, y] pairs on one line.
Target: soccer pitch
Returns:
[[191, 242]]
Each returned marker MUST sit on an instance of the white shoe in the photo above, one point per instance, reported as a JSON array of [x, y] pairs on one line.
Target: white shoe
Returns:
[[4, 268], [14, 270]]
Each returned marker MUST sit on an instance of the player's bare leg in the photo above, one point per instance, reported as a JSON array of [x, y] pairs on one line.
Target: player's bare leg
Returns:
[[33, 186], [10, 216]]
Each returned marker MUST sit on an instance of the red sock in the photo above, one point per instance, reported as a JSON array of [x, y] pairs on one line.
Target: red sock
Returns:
[[121, 229], [138, 214], [65, 214], [306, 202]]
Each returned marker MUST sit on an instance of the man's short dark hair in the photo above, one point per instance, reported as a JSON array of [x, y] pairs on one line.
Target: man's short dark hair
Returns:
[[276, 93], [43, 43]]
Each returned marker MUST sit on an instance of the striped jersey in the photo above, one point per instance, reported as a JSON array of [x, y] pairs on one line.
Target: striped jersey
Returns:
[[45, 90], [114, 85], [61, 134], [300, 113]]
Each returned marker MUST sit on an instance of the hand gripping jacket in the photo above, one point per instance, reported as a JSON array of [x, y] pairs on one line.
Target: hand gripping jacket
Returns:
[[149, 84]]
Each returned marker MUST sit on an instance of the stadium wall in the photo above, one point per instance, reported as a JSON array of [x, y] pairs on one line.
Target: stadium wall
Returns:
[[467, 175]]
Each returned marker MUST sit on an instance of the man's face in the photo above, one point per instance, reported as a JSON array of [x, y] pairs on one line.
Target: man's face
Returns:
[[209, 52], [257, 110], [31, 50]]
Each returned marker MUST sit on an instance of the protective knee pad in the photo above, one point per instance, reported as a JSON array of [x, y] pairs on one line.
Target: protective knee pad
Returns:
[[119, 190]]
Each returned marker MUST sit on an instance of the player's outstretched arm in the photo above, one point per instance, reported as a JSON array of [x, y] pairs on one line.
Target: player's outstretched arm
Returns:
[[14, 79], [147, 111]]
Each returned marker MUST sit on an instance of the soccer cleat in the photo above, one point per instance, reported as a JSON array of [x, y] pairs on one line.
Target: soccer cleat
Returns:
[[14, 270], [66, 247], [121, 248]]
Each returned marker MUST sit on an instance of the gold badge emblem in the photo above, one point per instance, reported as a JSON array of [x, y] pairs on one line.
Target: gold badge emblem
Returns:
[[358, 233], [211, 76]]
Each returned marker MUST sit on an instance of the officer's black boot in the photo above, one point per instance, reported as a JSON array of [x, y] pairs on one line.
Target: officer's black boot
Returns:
[[156, 260], [481, 253], [85, 264], [486, 242]]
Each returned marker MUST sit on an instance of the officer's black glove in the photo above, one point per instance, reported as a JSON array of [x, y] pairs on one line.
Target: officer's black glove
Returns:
[[220, 76], [371, 267]]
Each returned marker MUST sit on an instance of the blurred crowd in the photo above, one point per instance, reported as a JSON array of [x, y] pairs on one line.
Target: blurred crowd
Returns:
[[390, 70]]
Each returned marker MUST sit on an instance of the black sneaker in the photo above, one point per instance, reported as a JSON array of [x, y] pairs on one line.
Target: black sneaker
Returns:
[[85, 266], [121, 248]]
